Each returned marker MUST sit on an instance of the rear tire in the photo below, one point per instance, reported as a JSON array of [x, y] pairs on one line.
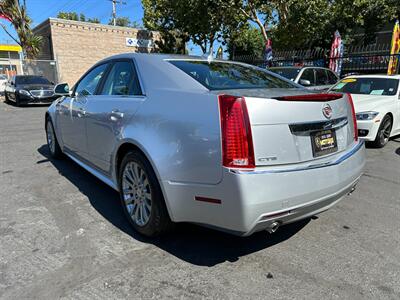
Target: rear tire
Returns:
[[383, 135], [141, 196], [52, 143]]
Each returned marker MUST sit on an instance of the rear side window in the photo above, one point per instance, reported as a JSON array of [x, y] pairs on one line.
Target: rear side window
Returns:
[[224, 76], [122, 80]]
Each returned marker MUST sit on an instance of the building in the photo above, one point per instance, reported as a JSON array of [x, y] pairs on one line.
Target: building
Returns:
[[75, 46], [10, 63]]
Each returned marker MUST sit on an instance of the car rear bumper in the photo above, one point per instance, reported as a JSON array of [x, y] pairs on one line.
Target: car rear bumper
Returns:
[[246, 202]]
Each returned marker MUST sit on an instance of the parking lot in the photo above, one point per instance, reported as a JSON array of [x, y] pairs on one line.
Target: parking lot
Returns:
[[63, 235]]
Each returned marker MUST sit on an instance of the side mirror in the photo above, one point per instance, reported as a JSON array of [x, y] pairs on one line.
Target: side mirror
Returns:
[[62, 89], [305, 82]]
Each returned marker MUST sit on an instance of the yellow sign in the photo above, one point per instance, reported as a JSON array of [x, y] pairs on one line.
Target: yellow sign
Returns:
[[11, 48], [393, 62]]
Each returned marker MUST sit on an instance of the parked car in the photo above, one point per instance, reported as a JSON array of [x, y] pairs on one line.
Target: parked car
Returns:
[[24, 89], [377, 104], [314, 78], [3, 81], [223, 144]]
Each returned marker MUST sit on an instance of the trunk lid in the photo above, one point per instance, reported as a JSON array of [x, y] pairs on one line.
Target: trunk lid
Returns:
[[287, 131]]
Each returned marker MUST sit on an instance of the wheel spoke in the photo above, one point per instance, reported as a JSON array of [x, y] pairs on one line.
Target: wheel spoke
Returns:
[[129, 199], [144, 212]]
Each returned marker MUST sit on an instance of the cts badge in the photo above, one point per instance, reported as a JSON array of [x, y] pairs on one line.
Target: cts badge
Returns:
[[327, 111]]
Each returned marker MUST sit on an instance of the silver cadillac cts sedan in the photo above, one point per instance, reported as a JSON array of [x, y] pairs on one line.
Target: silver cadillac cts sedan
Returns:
[[222, 144]]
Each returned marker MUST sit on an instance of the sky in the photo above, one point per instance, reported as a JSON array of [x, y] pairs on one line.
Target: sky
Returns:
[[40, 10]]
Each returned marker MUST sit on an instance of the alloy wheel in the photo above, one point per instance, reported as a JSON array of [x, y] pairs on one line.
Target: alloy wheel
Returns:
[[137, 193], [384, 133]]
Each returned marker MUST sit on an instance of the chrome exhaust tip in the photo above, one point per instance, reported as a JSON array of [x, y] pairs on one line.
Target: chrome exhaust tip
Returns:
[[273, 227]]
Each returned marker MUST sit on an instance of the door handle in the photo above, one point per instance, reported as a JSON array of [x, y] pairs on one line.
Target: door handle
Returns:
[[116, 115]]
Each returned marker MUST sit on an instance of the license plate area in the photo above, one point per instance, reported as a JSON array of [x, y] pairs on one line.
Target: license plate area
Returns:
[[323, 142]]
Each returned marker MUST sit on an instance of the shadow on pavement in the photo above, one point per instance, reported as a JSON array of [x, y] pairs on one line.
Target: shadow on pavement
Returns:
[[191, 243]]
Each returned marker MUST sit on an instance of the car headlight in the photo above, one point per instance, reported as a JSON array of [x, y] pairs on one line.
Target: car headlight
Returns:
[[24, 92], [366, 115]]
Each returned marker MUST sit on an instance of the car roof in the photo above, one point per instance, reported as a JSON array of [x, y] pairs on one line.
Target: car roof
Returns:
[[375, 76], [160, 57]]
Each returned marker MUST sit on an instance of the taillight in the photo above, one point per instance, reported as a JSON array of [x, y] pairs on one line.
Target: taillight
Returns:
[[322, 97], [353, 112], [237, 142]]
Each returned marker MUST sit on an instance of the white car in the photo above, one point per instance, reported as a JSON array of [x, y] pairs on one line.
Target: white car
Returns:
[[377, 103]]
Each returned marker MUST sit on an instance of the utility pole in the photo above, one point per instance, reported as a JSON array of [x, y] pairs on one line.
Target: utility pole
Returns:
[[114, 10]]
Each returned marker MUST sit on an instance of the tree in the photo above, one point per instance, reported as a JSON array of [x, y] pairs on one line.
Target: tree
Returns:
[[201, 21], [158, 15], [75, 17], [311, 23], [93, 20], [124, 22], [16, 13], [246, 40], [69, 16]]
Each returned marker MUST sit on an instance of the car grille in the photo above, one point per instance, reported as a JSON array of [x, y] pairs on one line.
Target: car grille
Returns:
[[42, 93]]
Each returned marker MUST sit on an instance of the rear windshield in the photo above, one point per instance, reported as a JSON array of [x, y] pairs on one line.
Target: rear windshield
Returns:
[[224, 76], [368, 86], [289, 73], [31, 80]]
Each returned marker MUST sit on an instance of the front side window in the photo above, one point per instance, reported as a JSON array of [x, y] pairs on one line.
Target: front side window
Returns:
[[87, 86], [308, 74], [224, 76], [368, 86], [122, 80]]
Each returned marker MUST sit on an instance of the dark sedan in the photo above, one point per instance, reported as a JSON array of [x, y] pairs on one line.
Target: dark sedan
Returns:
[[24, 89]]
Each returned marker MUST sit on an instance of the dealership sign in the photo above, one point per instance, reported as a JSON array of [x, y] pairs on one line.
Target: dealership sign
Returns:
[[131, 42]]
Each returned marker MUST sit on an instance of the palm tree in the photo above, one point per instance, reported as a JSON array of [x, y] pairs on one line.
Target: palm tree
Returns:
[[16, 13]]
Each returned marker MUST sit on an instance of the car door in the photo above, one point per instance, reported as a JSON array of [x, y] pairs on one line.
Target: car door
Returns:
[[120, 95], [71, 112]]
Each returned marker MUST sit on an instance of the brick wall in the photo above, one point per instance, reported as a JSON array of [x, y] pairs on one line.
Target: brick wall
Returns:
[[78, 45]]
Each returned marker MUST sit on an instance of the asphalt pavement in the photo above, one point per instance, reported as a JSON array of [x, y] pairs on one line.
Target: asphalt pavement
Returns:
[[63, 235]]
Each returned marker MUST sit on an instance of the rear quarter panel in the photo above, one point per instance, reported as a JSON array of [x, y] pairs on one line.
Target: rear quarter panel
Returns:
[[180, 134]]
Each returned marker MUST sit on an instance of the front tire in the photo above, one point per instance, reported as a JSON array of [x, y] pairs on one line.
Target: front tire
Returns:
[[383, 135], [141, 196], [52, 143], [6, 99]]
